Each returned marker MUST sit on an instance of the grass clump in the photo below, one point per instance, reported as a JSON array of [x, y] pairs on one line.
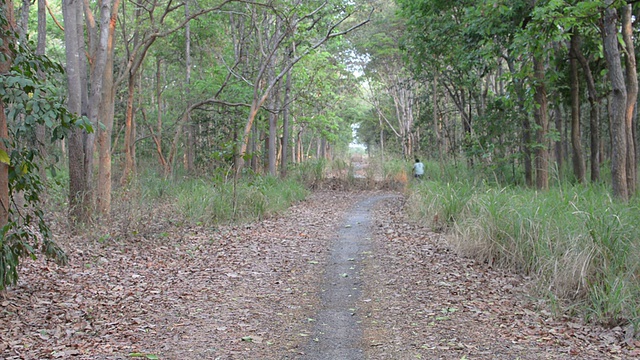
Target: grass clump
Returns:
[[214, 202], [580, 246], [310, 173]]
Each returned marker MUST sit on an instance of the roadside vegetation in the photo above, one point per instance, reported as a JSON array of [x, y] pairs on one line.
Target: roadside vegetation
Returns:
[[578, 244], [152, 202]]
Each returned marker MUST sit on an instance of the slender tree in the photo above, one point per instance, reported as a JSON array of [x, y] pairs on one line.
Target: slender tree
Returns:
[[104, 96], [594, 113], [541, 115], [74, 48], [579, 168], [41, 130], [7, 26], [618, 103], [190, 126], [631, 78]]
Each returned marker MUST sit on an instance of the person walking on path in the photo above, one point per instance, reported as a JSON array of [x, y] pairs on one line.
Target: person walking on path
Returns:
[[418, 169]]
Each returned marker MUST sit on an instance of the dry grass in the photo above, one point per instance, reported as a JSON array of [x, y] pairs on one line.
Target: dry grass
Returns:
[[580, 246]]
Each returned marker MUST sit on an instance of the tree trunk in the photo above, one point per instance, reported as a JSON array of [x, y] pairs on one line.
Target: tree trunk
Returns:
[[594, 115], [41, 130], [299, 147], [274, 101], [255, 149], [542, 122], [190, 127], [5, 66], [87, 139], [618, 104], [157, 134], [559, 146], [632, 98], [77, 176], [103, 102], [23, 23], [579, 168], [437, 125], [129, 141], [273, 135], [106, 114], [285, 127], [103, 198], [129, 137]]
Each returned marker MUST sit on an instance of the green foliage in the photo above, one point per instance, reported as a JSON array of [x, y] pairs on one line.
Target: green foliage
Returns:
[[580, 245], [310, 172], [30, 101], [440, 204], [210, 202], [464, 44]]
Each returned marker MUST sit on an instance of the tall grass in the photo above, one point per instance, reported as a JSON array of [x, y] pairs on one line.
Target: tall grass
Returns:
[[388, 172], [311, 172], [581, 246], [205, 202], [150, 202]]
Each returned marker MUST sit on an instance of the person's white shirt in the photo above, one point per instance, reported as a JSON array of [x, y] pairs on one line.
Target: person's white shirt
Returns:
[[418, 168]]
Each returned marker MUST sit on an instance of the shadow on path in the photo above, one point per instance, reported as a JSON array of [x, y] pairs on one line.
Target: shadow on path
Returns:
[[338, 334]]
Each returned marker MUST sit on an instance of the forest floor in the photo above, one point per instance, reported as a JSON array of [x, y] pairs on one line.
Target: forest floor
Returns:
[[261, 291]]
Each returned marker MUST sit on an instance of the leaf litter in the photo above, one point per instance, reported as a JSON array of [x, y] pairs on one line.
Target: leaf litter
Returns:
[[252, 291], [427, 302], [230, 292]]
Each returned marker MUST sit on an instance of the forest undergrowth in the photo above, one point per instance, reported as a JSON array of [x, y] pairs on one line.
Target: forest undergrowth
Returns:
[[579, 245]]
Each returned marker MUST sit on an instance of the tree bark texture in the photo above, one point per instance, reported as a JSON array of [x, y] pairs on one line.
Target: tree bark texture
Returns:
[[41, 130], [190, 130], [559, 148], [273, 133], [129, 141], [23, 23], [106, 107], [102, 99], [437, 126], [632, 98], [285, 126], [618, 104]]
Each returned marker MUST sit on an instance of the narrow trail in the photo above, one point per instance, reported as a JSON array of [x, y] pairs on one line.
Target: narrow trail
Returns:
[[338, 332]]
